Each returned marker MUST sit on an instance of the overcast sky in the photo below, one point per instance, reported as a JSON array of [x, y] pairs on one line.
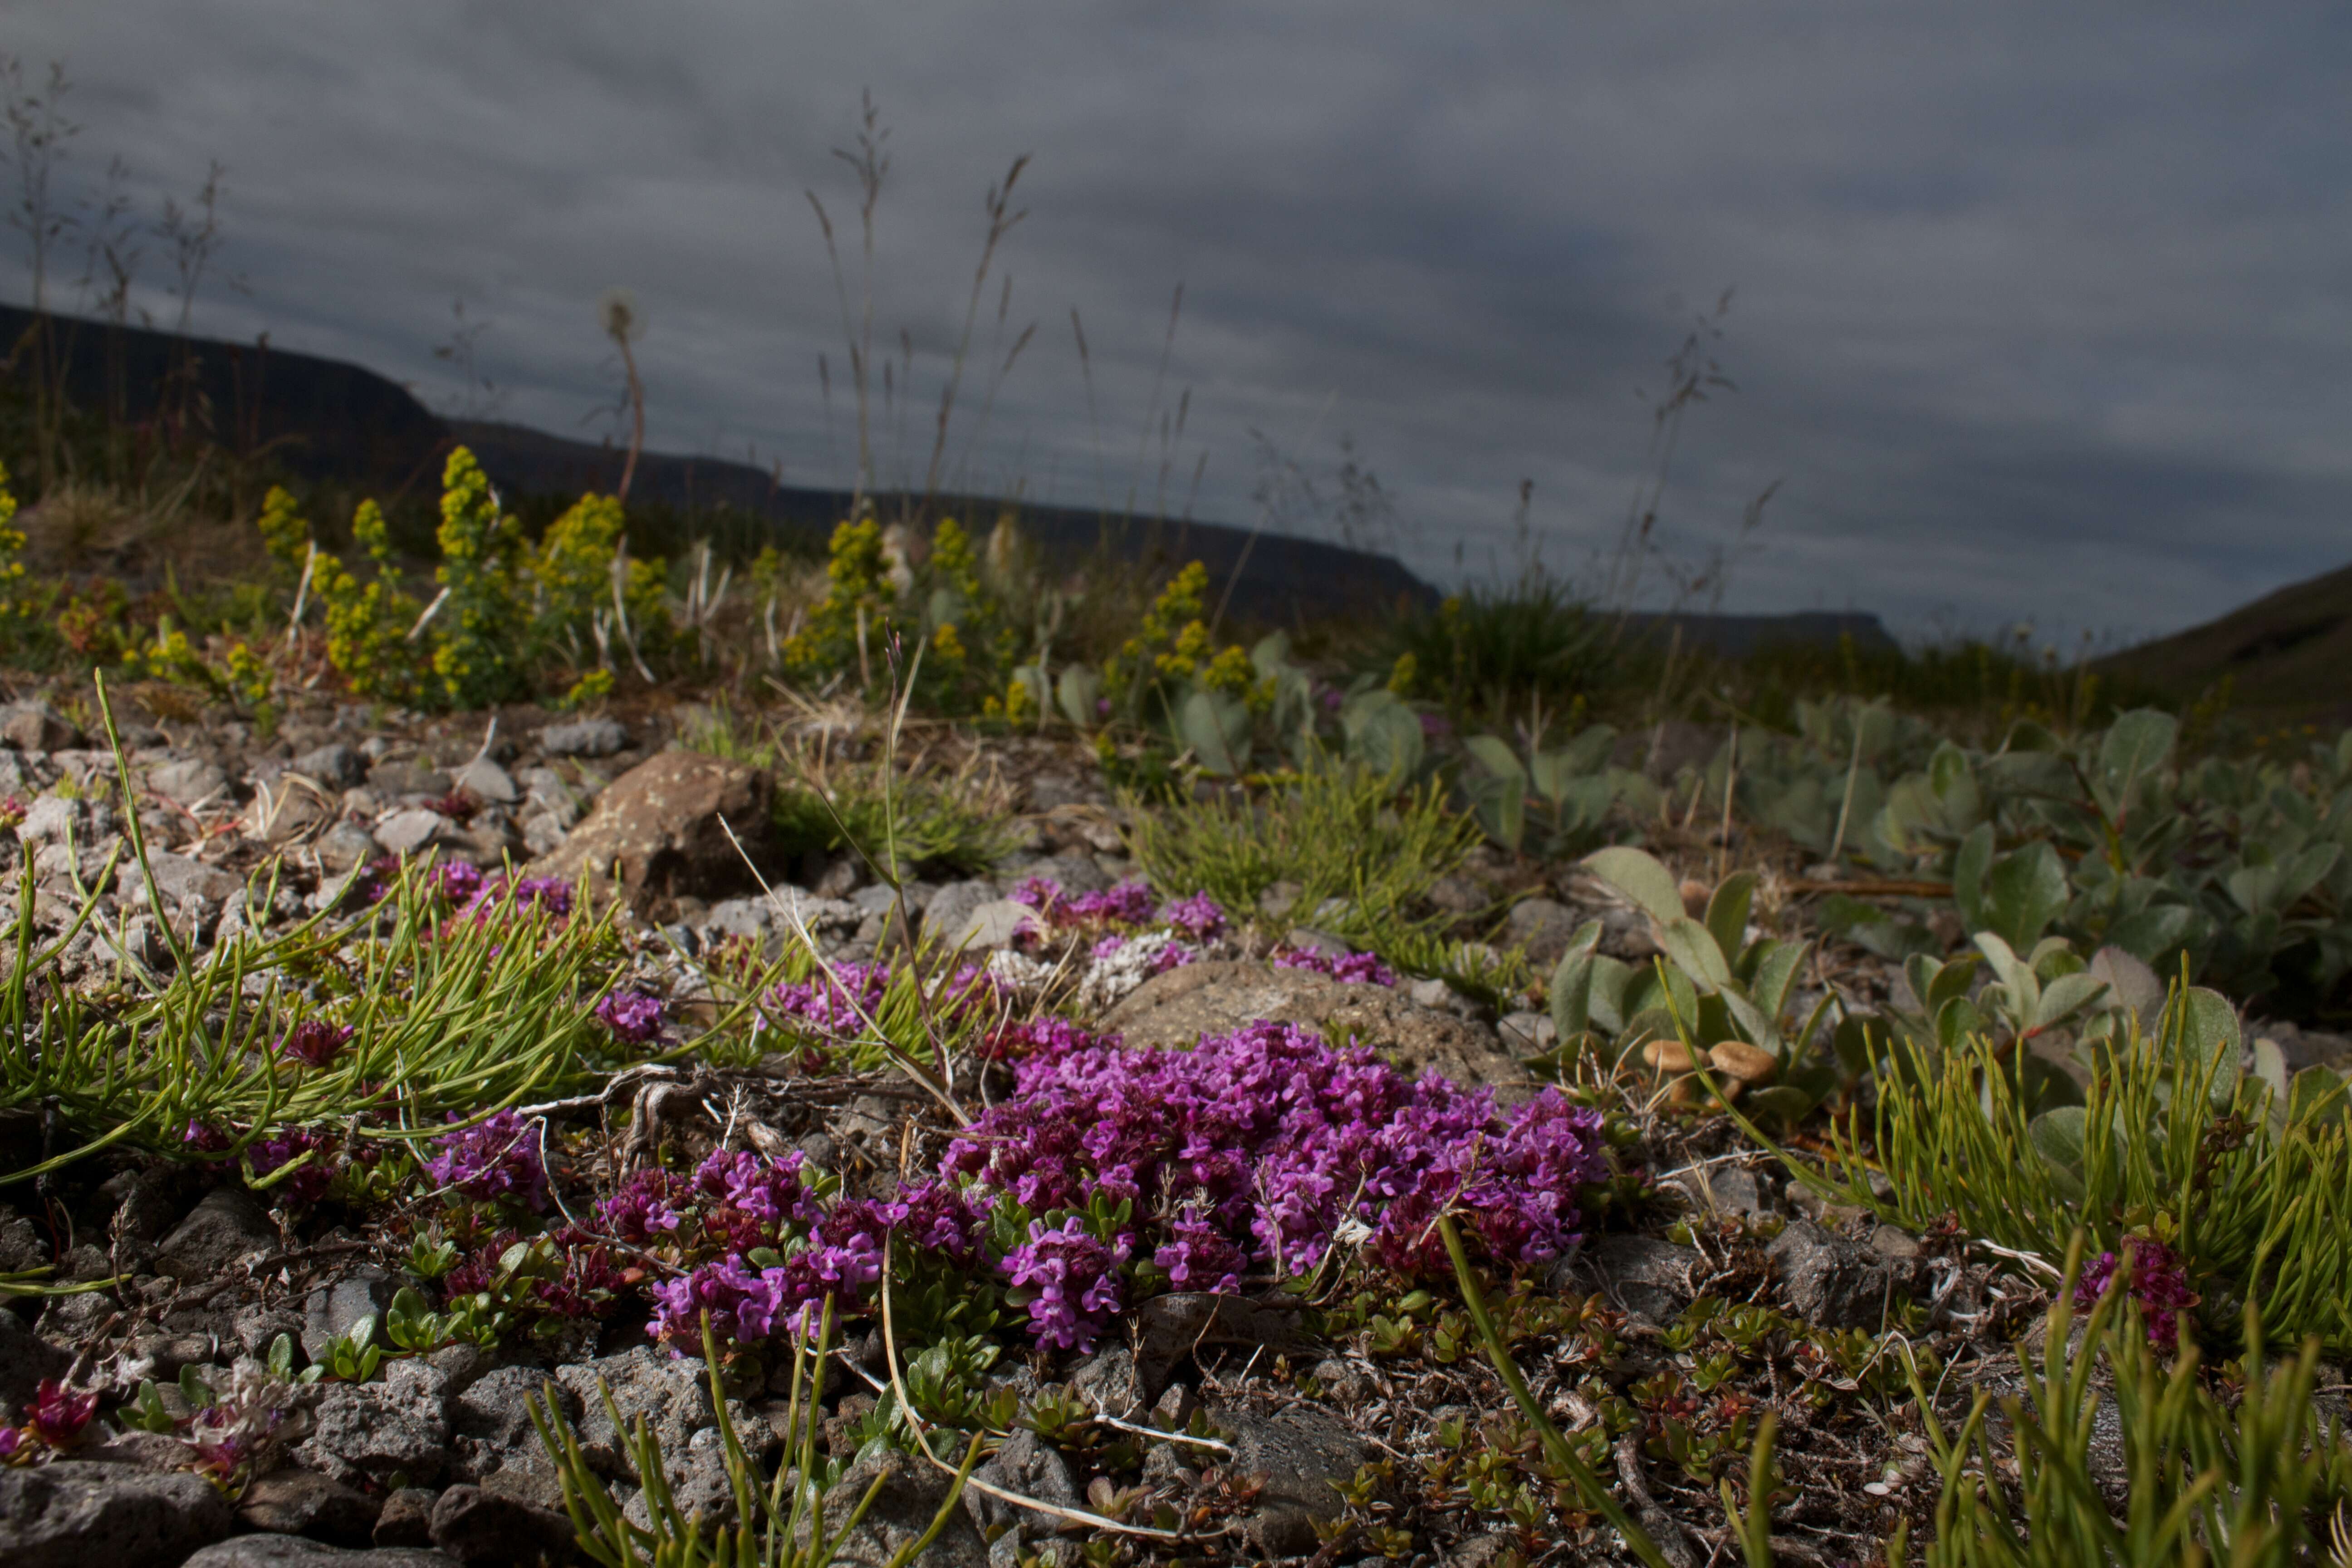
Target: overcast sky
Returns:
[[2041, 312]]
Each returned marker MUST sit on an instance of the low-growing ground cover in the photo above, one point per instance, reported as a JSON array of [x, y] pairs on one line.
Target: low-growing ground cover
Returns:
[[404, 1103], [474, 1140]]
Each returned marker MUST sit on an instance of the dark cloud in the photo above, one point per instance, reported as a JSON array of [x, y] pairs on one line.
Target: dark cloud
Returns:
[[2040, 313]]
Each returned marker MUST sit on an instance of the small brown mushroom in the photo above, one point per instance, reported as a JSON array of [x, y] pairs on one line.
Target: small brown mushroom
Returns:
[[1668, 1057], [1742, 1061]]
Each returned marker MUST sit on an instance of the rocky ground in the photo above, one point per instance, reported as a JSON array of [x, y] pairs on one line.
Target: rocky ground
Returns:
[[1357, 1431]]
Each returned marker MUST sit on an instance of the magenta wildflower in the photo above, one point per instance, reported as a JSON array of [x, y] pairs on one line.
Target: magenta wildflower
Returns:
[[646, 1208], [314, 1041], [1199, 916], [1129, 903], [310, 1183], [633, 1016], [1073, 1279], [1275, 1138], [495, 1160], [204, 1138], [456, 880], [1354, 968], [2159, 1283], [59, 1415]]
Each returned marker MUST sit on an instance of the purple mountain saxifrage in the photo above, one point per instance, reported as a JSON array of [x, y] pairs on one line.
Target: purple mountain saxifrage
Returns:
[[1252, 1153], [1274, 1140]]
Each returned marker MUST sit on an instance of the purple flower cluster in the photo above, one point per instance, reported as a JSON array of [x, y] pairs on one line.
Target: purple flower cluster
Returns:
[[736, 1203], [1129, 903], [54, 1421], [313, 1041], [306, 1185], [1199, 916], [1269, 1139], [456, 880], [633, 1016], [551, 894], [1354, 968], [495, 1160], [2159, 1283], [837, 1002], [585, 1283], [1071, 1278]]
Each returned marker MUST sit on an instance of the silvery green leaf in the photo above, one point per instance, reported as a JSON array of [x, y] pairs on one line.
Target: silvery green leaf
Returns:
[[1727, 913], [1497, 757], [1693, 950], [1076, 693], [1204, 734], [1641, 878]]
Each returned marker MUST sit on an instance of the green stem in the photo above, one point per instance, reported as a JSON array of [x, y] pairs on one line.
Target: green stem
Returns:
[[1596, 1496]]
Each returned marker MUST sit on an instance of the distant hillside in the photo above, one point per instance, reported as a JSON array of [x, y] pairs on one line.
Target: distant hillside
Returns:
[[1282, 580], [2287, 655], [328, 421], [325, 420]]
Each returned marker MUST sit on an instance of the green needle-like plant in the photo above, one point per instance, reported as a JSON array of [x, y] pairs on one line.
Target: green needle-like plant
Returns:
[[2172, 1139], [2203, 1483], [779, 1522]]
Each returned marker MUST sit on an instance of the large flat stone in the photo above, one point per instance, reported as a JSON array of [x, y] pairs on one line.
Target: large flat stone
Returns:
[[1175, 1009]]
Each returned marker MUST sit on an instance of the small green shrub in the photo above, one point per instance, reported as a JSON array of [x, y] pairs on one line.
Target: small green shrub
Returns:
[[1360, 852], [2246, 1177]]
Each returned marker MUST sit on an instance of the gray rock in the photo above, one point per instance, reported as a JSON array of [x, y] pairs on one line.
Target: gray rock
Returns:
[[486, 781], [679, 824], [189, 781], [1034, 1467], [1529, 1034], [989, 926], [345, 845], [1307, 939], [911, 1497], [1302, 1451], [69, 1515], [227, 1227], [1648, 1278], [37, 727], [416, 828], [1543, 927], [584, 738], [373, 1432], [49, 819], [176, 878], [297, 1551], [1458, 895], [1724, 1191], [952, 905], [406, 1518], [1832, 1283], [698, 1479], [25, 1357], [1106, 1381], [396, 779], [256, 1326], [668, 1391], [1077, 872], [300, 1502], [473, 1525], [1175, 1009], [491, 1427], [1170, 1330], [543, 833], [337, 765], [23, 1247], [334, 1310]]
